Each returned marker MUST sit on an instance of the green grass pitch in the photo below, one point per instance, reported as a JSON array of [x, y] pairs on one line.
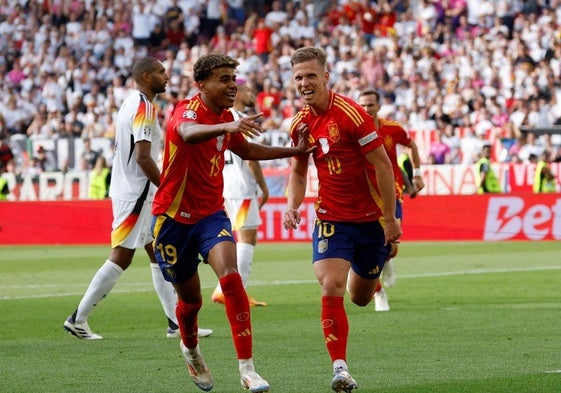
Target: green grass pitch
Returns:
[[465, 317]]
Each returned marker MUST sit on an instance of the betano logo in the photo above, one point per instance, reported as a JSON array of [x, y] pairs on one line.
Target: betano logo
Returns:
[[509, 217]]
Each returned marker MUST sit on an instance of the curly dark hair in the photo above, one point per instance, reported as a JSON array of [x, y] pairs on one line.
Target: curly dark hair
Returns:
[[205, 64]]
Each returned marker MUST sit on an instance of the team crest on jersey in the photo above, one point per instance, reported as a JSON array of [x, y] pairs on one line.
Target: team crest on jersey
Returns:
[[324, 144], [220, 143], [388, 142], [190, 114], [333, 131]]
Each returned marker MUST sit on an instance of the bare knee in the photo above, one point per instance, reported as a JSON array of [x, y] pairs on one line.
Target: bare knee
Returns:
[[121, 257], [360, 300]]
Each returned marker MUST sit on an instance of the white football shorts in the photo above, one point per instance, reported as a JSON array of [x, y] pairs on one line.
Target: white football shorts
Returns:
[[131, 228], [243, 213]]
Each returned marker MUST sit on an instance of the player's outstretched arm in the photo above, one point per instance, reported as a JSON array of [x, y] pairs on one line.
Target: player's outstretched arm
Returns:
[[195, 133]]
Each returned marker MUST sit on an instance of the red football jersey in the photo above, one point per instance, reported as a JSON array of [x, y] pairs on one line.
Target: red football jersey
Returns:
[[394, 134], [191, 183], [347, 181]]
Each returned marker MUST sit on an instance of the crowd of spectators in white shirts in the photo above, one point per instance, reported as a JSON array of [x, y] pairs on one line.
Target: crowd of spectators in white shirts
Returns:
[[467, 72]]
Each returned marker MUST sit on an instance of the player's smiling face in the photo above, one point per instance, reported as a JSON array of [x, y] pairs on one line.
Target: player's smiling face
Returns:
[[219, 89], [311, 80]]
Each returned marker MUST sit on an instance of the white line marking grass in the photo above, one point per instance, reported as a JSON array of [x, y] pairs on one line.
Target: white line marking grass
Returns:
[[146, 286]]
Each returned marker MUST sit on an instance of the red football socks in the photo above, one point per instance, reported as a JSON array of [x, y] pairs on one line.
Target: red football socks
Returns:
[[187, 319], [335, 326], [238, 313]]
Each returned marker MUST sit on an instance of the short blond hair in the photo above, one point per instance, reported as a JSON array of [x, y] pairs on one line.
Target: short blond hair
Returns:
[[302, 55]]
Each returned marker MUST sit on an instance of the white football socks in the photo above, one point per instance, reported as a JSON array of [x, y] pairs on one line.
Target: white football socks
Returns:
[[102, 283], [166, 292], [245, 253]]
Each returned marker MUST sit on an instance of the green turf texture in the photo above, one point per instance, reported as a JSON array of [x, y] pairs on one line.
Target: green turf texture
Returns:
[[465, 317]]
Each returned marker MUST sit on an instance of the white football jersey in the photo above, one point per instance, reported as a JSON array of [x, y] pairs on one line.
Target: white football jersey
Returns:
[[137, 120], [238, 179]]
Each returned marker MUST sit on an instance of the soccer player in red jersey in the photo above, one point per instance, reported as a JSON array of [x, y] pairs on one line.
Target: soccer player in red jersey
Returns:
[[350, 244], [189, 210], [135, 176], [393, 134]]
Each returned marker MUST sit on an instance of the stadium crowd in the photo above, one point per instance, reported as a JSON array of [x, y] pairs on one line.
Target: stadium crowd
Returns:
[[470, 71]]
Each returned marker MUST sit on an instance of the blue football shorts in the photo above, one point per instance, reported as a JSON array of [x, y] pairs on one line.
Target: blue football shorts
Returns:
[[177, 246], [360, 243]]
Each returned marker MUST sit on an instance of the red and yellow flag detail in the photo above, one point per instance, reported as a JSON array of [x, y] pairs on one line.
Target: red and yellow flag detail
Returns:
[[242, 214], [119, 234]]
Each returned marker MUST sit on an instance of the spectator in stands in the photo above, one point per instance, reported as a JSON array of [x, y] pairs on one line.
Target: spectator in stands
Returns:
[[508, 140], [192, 25], [482, 122], [439, 151], [15, 118], [452, 140], [236, 12], [220, 43], [89, 155], [16, 75], [173, 12], [175, 34], [158, 40], [213, 17], [267, 99], [141, 23], [277, 15], [262, 40], [531, 146], [73, 127], [470, 146], [53, 94], [519, 113], [39, 127]]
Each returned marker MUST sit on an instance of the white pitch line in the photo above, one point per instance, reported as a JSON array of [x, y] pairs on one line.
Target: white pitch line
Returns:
[[146, 287]]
